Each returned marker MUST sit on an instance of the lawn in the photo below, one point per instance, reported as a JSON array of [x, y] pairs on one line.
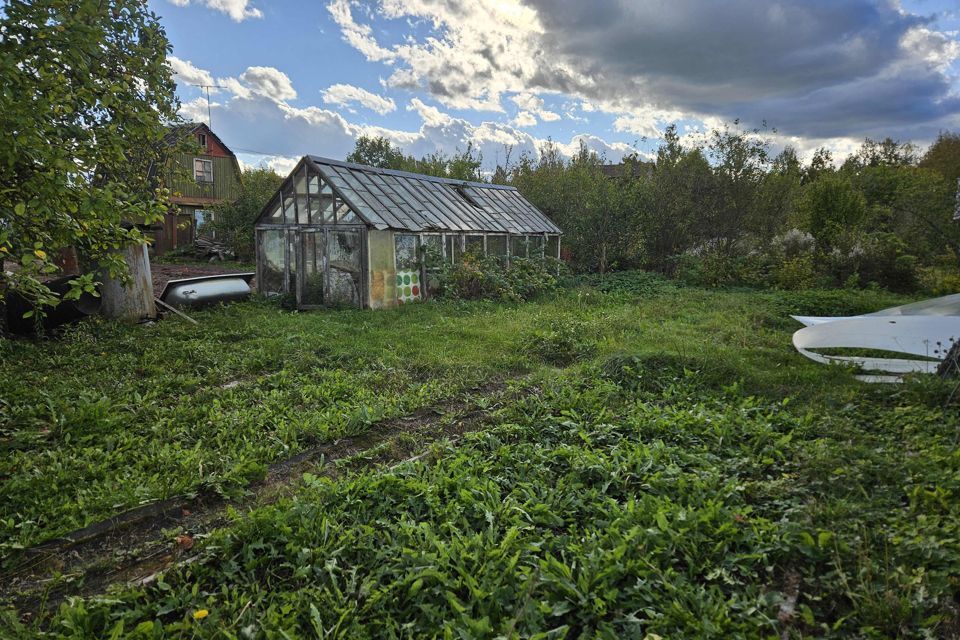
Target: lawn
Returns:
[[664, 465]]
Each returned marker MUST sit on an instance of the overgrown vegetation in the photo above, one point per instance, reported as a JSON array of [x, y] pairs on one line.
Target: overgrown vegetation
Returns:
[[232, 222], [672, 468], [721, 210], [481, 277]]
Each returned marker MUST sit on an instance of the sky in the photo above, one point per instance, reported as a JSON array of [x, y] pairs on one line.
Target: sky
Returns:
[[310, 76]]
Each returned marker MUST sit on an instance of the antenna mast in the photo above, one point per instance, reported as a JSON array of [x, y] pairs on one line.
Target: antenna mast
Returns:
[[206, 88]]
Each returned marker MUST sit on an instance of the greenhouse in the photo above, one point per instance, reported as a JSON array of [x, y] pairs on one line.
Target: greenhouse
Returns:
[[347, 235]]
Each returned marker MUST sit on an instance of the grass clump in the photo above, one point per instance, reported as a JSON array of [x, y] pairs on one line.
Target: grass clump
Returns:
[[561, 343]]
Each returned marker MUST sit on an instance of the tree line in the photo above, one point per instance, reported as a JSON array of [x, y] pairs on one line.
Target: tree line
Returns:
[[723, 209]]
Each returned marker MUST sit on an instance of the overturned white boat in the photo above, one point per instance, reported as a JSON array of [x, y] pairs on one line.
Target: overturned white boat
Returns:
[[926, 330]]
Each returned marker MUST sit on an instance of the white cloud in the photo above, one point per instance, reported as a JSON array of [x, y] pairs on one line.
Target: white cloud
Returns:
[[524, 119], [185, 71], [252, 118], [359, 36], [432, 116], [238, 10], [533, 105], [196, 110], [268, 82], [817, 70], [345, 94]]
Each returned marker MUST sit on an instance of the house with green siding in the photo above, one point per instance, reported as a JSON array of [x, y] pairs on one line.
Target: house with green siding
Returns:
[[202, 176]]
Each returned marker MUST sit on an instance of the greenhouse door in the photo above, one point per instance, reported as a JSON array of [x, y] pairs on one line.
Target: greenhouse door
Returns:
[[344, 268], [330, 268], [313, 254]]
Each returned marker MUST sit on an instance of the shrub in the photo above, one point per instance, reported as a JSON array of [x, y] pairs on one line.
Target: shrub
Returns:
[[481, 277], [561, 343], [796, 273], [632, 283]]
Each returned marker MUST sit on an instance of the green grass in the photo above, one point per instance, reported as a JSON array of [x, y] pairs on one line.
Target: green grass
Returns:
[[679, 469]]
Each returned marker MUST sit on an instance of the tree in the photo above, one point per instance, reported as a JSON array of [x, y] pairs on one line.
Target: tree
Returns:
[[85, 97], [943, 156], [886, 153], [377, 152], [232, 222]]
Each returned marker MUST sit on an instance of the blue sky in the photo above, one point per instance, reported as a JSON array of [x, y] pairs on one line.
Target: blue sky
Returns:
[[435, 75]]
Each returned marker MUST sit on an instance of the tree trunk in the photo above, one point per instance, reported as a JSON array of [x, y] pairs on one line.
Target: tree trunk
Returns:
[[131, 302]]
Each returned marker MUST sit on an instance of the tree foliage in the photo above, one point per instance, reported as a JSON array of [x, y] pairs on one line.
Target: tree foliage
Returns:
[[380, 152], [85, 94], [232, 222]]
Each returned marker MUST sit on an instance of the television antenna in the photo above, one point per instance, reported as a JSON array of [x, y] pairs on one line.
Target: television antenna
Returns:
[[206, 88]]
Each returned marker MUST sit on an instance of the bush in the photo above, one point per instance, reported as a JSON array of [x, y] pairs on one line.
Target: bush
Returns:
[[632, 283], [481, 277], [562, 343]]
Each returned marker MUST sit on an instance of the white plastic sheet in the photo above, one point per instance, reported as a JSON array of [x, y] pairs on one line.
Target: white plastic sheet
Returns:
[[944, 306], [929, 336]]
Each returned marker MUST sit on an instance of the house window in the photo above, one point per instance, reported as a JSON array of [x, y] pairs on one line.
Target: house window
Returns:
[[203, 170], [202, 218], [202, 139]]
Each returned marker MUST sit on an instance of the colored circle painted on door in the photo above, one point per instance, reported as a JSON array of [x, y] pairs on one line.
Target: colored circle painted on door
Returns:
[[415, 279], [399, 281], [416, 290], [406, 291], [406, 279]]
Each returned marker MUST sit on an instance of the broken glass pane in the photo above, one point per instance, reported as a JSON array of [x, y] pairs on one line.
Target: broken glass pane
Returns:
[[405, 255], [272, 260], [344, 264]]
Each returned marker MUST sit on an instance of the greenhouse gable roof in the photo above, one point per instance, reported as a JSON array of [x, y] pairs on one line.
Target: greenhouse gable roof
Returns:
[[389, 199]]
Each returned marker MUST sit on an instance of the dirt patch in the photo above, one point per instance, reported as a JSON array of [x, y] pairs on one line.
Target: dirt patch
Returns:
[[133, 547]]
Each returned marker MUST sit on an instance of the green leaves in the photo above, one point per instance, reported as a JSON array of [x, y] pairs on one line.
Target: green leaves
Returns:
[[79, 141]]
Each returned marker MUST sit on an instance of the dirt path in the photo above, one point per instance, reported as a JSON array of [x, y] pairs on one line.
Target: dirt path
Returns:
[[133, 547]]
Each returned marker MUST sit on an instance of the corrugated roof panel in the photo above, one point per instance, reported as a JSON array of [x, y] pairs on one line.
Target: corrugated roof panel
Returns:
[[400, 200]]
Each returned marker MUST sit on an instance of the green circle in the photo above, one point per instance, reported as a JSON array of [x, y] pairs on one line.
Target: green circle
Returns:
[[415, 278], [406, 279], [406, 291], [399, 280]]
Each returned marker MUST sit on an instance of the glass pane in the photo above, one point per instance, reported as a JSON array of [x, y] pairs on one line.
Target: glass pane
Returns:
[[292, 260], [345, 214], [473, 244], [536, 246], [272, 252], [497, 246], [300, 183], [405, 255], [302, 209], [553, 246], [432, 250], [289, 208], [343, 262], [321, 209], [311, 288], [457, 252], [314, 184], [275, 214], [518, 246]]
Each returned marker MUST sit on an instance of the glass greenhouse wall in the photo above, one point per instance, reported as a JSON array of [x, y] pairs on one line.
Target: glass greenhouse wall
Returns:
[[344, 235]]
